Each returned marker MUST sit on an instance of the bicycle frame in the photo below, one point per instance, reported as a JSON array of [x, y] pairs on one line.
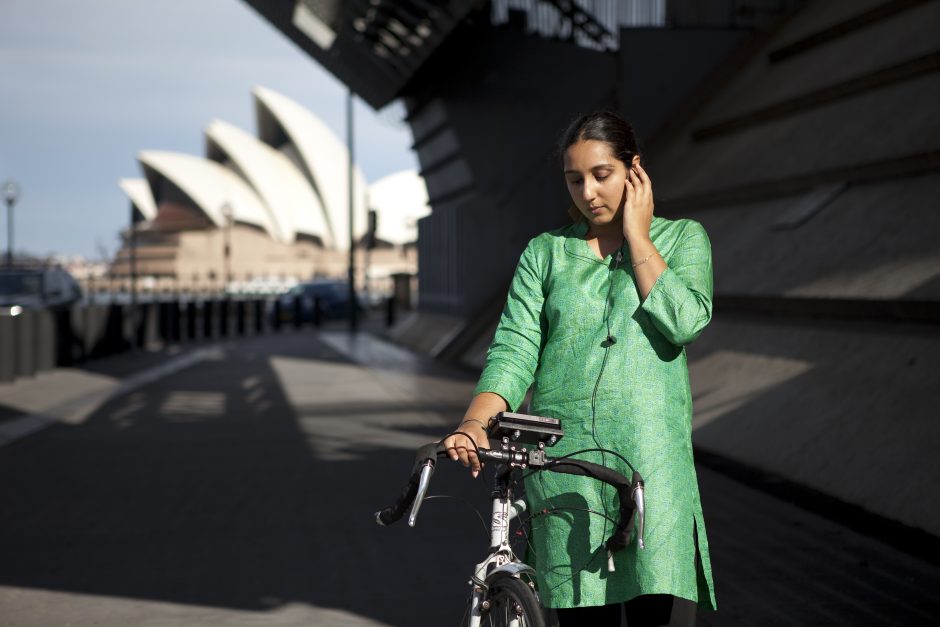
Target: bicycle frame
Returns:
[[501, 560]]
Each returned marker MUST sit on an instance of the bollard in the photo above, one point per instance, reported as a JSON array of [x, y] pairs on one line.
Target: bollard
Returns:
[[113, 338], [259, 316], [25, 328], [139, 325], [176, 321], [208, 319], [249, 317], [298, 311], [150, 331], [276, 316], [45, 339], [7, 350], [240, 317], [223, 318], [402, 290], [128, 330], [65, 337], [317, 312], [390, 311], [191, 321], [163, 322], [89, 331]]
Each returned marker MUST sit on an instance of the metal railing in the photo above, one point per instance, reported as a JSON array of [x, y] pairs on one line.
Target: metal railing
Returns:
[[596, 24], [593, 24]]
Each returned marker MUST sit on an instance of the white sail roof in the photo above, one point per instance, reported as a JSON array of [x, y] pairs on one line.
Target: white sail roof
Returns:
[[323, 156], [292, 205], [211, 186], [139, 193], [399, 200]]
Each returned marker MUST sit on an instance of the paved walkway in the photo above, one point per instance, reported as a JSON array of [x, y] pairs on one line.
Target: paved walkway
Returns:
[[234, 484]]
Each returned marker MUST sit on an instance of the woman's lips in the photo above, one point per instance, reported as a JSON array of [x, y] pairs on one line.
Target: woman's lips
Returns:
[[596, 210]]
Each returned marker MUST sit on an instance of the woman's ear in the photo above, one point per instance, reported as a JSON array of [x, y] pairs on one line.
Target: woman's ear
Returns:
[[636, 160]]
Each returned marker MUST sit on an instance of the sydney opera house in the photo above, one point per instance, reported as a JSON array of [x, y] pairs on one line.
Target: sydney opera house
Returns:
[[260, 212]]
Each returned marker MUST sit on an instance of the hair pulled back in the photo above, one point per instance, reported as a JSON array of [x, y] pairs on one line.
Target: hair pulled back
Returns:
[[605, 126]]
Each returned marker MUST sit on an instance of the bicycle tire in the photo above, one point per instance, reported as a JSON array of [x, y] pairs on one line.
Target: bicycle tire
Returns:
[[510, 598]]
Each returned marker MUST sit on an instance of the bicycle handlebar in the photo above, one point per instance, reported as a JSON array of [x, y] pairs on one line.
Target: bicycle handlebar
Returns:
[[630, 493]]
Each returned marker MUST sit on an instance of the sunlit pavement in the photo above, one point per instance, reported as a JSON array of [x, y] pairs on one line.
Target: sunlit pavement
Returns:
[[239, 488]]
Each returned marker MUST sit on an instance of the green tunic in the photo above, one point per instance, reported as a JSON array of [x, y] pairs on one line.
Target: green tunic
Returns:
[[552, 334]]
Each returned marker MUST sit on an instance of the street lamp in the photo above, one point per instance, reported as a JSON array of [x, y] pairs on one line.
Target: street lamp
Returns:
[[11, 191], [229, 214]]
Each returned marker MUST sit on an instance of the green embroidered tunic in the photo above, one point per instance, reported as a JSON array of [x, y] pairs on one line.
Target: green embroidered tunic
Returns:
[[552, 336]]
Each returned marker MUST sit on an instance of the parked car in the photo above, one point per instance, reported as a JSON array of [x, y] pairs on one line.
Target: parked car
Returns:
[[36, 288], [331, 296]]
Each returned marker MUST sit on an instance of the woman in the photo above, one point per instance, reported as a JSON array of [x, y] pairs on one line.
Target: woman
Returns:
[[597, 317]]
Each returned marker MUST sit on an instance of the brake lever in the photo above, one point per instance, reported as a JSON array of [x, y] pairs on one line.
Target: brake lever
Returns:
[[423, 482]]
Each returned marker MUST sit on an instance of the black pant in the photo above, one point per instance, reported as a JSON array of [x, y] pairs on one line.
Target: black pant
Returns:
[[650, 610]]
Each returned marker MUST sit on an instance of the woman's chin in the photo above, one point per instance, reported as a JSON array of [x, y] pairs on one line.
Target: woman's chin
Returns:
[[599, 220]]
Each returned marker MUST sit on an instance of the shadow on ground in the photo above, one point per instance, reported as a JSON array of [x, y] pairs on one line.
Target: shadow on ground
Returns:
[[204, 488]]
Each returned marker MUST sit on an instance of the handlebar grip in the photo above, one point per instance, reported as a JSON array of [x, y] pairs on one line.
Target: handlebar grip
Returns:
[[428, 452], [394, 512]]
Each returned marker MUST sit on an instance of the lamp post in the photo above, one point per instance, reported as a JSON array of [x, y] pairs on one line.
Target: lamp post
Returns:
[[228, 214], [353, 314], [11, 192], [133, 259]]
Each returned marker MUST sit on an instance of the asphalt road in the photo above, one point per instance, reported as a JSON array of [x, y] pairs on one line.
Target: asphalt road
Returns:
[[240, 491]]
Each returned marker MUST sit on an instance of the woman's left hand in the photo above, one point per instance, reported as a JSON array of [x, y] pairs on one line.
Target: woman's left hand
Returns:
[[638, 207]]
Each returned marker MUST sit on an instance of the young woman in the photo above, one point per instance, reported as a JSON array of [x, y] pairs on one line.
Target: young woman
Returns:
[[597, 317]]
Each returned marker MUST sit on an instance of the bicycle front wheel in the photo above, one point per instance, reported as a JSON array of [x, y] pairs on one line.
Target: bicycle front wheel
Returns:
[[510, 602]]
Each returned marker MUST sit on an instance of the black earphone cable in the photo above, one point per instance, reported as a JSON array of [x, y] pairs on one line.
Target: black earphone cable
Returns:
[[608, 342]]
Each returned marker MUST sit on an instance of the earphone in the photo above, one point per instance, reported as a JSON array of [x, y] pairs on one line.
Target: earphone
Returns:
[[611, 338]]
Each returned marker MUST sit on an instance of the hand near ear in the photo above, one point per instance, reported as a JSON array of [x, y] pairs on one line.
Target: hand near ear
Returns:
[[638, 206]]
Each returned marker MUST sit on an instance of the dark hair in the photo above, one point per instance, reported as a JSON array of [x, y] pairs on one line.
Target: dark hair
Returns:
[[605, 126]]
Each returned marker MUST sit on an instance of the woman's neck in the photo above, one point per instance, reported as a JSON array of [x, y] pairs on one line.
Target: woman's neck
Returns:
[[606, 239], [609, 231]]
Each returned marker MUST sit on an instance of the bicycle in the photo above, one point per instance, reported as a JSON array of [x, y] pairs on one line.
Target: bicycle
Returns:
[[503, 590]]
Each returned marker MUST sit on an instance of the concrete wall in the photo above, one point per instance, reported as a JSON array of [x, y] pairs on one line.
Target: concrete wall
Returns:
[[493, 118], [830, 201]]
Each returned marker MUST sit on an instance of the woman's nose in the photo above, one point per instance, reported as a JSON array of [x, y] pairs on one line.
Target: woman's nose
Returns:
[[588, 191]]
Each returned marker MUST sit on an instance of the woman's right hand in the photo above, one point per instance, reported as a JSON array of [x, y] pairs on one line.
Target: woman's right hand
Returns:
[[461, 447]]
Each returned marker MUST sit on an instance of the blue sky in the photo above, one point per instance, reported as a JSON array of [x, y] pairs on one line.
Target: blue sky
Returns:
[[87, 85]]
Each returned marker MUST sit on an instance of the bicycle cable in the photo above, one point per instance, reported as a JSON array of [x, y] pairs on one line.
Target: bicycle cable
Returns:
[[578, 452], [466, 502], [554, 510]]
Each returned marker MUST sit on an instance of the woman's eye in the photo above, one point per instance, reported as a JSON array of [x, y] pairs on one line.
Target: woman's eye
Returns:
[[602, 177], [574, 182]]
